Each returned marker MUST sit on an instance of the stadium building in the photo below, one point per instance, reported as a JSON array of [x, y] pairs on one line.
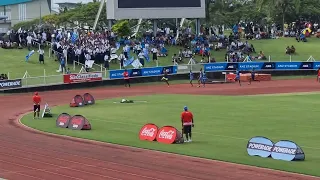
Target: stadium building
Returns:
[[15, 11]]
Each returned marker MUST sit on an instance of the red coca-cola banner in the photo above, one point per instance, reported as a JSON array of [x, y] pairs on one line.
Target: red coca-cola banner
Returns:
[[148, 132], [169, 135], [82, 77]]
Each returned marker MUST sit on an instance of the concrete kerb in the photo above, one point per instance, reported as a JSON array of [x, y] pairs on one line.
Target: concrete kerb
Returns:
[[23, 126]]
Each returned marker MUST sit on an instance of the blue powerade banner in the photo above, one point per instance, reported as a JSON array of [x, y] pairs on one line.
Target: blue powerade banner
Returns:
[[248, 66], [144, 72]]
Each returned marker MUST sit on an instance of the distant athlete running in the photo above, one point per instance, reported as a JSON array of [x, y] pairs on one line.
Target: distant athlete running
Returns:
[[238, 77], [200, 77], [252, 78], [165, 77], [191, 77], [204, 79]]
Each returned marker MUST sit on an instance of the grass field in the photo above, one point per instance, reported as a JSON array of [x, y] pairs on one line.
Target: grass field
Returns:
[[220, 132], [13, 61]]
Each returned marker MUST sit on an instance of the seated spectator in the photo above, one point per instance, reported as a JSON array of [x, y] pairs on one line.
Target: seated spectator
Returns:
[[175, 58], [163, 52], [293, 49], [290, 50], [261, 56]]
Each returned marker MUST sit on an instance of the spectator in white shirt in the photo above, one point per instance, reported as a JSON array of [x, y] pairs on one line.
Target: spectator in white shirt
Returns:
[[141, 58], [154, 53], [29, 42]]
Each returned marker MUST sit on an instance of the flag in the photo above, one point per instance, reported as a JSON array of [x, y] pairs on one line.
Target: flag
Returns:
[[34, 34], [118, 45], [74, 37], [29, 55], [136, 64], [146, 54], [128, 62]]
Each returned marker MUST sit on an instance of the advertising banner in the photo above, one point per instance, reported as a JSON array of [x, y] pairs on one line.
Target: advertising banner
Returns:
[[7, 84], [144, 72], [82, 77], [248, 66], [283, 150], [287, 151], [260, 146]]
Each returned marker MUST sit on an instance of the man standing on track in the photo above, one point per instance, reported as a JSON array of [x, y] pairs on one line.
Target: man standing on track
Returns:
[[187, 123], [126, 78], [36, 105]]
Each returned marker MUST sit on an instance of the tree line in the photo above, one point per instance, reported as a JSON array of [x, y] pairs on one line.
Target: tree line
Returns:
[[218, 12]]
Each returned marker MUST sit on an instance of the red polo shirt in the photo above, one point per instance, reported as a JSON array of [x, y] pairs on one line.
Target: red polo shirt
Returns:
[[36, 99], [187, 117]]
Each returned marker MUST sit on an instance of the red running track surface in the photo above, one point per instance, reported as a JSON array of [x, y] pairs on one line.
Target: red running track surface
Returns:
[[26, 154]]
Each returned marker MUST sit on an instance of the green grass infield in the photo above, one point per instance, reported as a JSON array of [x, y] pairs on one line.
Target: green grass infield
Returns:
[[223, 125]]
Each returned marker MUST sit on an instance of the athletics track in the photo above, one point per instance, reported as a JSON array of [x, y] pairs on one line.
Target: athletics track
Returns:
[[27, 154]]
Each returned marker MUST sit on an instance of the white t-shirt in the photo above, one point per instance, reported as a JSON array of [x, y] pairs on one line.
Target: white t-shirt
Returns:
[[29, 39]]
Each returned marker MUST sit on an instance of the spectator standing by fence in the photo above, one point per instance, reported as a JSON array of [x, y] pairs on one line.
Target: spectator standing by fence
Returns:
[[41, 55]]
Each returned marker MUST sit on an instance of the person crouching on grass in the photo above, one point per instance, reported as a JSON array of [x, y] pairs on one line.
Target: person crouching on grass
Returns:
[[36, 105], [165, 77], [126, 78], [187, 123]]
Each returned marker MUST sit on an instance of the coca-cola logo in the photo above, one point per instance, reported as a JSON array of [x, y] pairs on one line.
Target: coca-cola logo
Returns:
[[167, 135], [148, 132]]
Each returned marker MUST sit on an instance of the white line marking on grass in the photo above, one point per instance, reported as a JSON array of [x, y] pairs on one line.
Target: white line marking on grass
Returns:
[[172, 154]]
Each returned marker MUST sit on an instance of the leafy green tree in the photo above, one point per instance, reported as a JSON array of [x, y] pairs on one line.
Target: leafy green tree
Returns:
[[122, 28]]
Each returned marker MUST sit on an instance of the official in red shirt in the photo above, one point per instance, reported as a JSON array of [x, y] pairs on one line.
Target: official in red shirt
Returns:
[[126, 78], [187, 123], [36, 105]]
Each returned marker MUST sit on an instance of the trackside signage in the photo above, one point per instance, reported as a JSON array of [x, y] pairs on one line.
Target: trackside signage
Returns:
[[260, 146], [7, 84], [148, 132], [63, 120], [282, 150], [169, 135], [287, 151], [82, 77]]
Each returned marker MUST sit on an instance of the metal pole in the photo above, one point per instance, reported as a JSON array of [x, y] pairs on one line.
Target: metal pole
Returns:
[[40, 13]]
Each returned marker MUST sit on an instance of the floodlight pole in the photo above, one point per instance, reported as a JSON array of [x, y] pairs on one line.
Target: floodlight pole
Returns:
[[155, 27], [98, 14], [198, 26]]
